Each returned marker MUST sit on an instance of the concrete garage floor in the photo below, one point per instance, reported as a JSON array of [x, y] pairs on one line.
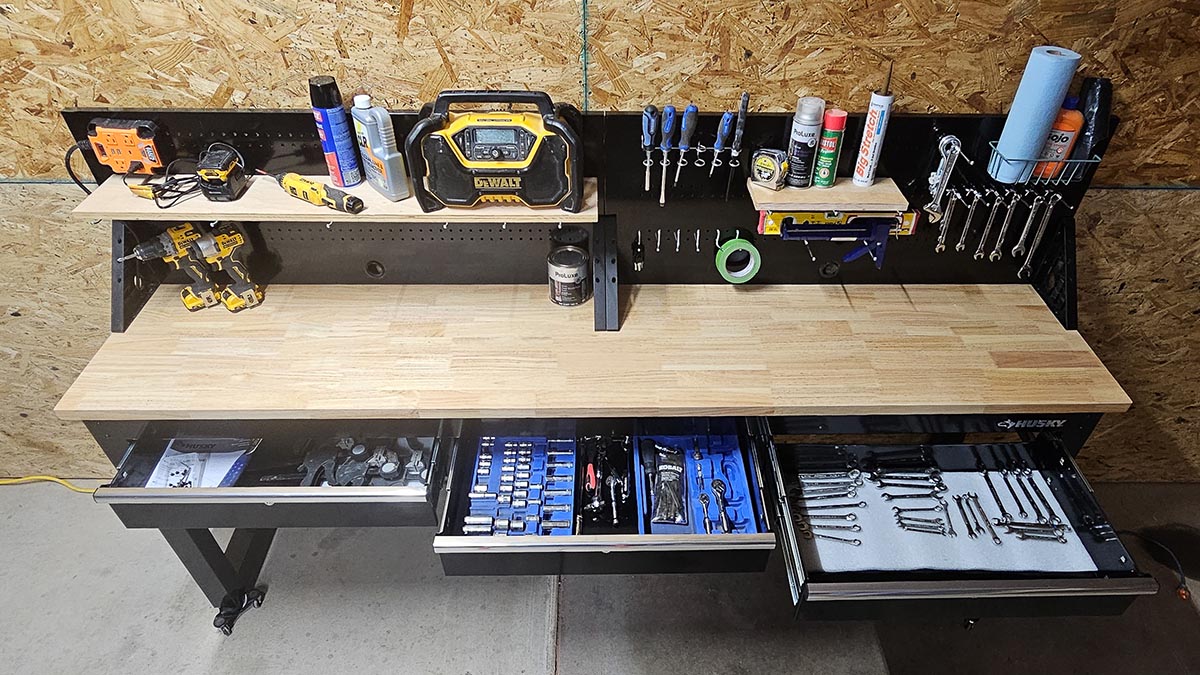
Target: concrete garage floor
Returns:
[[81, 593]]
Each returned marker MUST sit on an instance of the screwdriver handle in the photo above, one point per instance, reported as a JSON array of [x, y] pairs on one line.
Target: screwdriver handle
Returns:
[[743, 108], [668, 127], [723, 131], [687, 127], [649, 127]]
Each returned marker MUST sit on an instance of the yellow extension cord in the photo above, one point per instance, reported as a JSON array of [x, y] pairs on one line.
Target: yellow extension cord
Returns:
[[47, 479]]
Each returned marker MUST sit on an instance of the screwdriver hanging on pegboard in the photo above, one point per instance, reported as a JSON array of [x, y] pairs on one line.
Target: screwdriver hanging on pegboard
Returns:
[[722, 135], [686, 127], [649, 127], [668, 130]]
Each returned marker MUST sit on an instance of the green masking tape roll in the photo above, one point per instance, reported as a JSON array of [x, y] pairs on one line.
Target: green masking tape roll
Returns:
[[738, 261]]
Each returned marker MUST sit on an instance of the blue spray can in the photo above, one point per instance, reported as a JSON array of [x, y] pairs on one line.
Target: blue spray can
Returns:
[[333, 126]]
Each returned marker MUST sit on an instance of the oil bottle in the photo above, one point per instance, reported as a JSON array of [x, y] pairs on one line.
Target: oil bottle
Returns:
[[383, 163]]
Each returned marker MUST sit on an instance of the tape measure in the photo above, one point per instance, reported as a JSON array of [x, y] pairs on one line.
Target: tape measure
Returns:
[[472, 158]]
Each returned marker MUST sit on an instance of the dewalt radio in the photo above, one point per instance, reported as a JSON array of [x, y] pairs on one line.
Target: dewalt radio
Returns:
[[471, 158]]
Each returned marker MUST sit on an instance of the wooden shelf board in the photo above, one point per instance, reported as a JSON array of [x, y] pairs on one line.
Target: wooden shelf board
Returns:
[[387, 351], [265, 200], [843, 196]]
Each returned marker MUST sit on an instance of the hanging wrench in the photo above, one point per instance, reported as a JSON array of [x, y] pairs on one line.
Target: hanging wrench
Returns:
[[1019, 249], [951, 149], [949, 216], [962, 239], [987, 227], [1027, 268], [997, 253]]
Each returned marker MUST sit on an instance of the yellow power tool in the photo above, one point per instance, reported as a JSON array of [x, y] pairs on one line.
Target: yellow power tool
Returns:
[[175, 248], [225, 249], [317, 193]]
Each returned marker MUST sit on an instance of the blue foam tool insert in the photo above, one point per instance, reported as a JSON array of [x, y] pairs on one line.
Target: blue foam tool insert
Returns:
[[527, 459], [720, 457]]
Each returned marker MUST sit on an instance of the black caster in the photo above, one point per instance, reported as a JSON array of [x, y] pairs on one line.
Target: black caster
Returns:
[[234, 606]]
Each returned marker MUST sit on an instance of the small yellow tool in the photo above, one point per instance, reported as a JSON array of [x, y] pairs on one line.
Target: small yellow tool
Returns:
[[225, 249], [175, 248], [317, 193]]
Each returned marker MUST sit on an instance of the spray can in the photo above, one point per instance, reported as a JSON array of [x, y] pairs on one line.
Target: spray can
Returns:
[[802, 149], [383, 163], [830, 148], [874, 128], [333, 126]]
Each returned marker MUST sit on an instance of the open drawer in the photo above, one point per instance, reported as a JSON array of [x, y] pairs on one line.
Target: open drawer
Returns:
[[521, 499], [266, 474], [850, 557]]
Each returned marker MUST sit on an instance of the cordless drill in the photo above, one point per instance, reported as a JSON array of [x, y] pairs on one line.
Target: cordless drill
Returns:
[[225, 249], [175, 248]]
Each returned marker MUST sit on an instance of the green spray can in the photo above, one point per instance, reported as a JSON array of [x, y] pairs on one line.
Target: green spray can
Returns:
[[829, 148]]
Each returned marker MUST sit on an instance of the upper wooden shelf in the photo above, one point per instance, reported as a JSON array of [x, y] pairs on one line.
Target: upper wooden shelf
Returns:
[[265, 200], [392, 351], [843, 196]]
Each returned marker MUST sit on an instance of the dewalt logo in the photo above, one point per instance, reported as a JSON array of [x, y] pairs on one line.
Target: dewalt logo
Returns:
[[497, 182]]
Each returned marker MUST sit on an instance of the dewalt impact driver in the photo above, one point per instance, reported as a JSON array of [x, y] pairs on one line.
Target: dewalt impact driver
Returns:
[[186, 247]]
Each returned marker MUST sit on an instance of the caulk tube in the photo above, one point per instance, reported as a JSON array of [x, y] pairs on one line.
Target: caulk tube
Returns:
[[333, 126], [802, 148], [878, 114]]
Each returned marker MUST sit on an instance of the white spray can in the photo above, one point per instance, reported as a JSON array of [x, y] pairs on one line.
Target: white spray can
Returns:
[[878, 114]]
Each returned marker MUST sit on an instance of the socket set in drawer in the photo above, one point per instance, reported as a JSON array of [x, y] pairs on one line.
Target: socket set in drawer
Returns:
[[522, 486]]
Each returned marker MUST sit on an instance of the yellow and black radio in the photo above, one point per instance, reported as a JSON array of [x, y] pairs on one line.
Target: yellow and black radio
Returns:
[[465, 159]]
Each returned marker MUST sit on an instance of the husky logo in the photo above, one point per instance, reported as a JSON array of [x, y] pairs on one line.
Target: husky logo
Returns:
[[1032, 424], [497, 182]]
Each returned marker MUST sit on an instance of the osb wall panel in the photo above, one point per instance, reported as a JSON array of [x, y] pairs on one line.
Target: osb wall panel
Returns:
[[54, 295], [224, 53], [949, 56], [1139, 309], [1139, 299]]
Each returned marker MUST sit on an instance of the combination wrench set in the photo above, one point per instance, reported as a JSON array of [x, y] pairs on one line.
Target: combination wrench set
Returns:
[[945, 200], [827, 503]]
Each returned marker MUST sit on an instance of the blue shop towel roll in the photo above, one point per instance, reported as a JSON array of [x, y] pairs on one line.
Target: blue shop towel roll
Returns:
[[1037, 102]]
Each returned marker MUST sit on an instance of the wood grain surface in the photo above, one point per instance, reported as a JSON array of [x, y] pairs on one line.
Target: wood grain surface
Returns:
[[883, 195], [506, 351], [265, 200]]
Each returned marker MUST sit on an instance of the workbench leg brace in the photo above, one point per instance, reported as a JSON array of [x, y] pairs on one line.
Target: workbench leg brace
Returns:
[[227, 577]]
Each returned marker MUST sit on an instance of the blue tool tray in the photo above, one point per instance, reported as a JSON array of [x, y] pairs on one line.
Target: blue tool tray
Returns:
[[537, 473], [720, 457]]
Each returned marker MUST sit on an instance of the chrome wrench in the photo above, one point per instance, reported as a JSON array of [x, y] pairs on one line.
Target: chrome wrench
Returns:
[[987, 227], [997, 251], [962, 238], [1027, 268], [1019, 249], [951, 149]]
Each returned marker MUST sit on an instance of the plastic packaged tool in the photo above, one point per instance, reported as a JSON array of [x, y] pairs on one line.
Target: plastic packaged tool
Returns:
[[333, 126], [802, 149], [1061, 140], [1096, 106], [874, 129], [830, 148], [668, 486], [383, 163]]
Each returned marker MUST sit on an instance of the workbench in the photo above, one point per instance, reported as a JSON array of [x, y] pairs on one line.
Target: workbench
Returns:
[[457, 342]]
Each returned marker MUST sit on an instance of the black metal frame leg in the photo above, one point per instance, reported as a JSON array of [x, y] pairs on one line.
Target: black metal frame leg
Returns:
[[222, 573]]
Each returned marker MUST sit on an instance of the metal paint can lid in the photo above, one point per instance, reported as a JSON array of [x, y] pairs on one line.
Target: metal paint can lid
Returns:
[[568, 263]]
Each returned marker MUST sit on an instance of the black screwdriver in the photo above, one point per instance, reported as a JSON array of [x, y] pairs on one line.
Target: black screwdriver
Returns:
[[649, 128]]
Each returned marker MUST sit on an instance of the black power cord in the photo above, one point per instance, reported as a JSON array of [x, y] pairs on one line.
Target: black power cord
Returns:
[[81, 145], [1182, 589]]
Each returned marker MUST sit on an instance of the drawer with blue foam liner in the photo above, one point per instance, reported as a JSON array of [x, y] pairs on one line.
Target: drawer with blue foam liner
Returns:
[[705, 458]]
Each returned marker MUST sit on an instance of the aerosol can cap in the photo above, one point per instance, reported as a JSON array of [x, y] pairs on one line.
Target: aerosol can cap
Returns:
[[810, 109]]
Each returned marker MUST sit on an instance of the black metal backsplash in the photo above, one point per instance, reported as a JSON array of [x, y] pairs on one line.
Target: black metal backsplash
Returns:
[[286, 140]]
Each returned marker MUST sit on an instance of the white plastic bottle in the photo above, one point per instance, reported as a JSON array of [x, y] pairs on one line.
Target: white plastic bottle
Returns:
[[383, 163]]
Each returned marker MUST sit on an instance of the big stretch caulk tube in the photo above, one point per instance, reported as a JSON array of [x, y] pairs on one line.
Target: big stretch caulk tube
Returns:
[[333, 126]]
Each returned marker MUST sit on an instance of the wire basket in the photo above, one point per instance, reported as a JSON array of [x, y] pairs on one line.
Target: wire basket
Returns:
[[1038, 171]]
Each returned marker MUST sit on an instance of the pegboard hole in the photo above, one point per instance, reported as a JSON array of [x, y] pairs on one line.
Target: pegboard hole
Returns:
[[375, 269]]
